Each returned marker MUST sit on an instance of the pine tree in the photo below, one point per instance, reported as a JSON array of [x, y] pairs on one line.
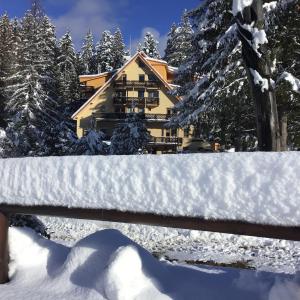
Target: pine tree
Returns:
[[6, 61], [105, 56], [91, 144], [67, 70], [214, 82], [130, 137], [283, 22], [179, 42], [33, 108], [150, 46], [88, 54], [171, 45], [119, 52]]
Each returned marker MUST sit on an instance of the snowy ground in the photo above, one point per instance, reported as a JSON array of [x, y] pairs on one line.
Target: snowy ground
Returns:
[[193, 247], [108, 265]]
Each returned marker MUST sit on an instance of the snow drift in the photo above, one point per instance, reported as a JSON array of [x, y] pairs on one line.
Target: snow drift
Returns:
[[255, 187], [108, 265]]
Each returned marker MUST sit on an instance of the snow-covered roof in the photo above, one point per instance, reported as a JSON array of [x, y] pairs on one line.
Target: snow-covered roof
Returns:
[[174, 85], [172, 69], [156, 59], [97, 75], [93, 75]]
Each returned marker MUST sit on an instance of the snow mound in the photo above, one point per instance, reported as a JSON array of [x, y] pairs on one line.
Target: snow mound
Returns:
[[108, 265], [123, 285], [254, 187]]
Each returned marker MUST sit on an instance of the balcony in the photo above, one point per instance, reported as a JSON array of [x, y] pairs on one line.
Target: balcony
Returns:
[[86, 92], [136, 102], [138, 84], [123, 116], [166, 141]]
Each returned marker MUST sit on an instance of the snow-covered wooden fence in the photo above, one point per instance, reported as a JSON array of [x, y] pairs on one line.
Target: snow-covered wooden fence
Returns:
[[255, 194], [222, 226]]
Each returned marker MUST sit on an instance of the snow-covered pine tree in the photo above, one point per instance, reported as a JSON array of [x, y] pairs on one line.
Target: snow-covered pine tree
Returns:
[[179, 42], [150, 46], [105, 55], [130, 137], [6, 61], [67, 70], [91, 144], [283, 23], [171, 46], [119, 52], [88, 54], [30, 108], [214, 82]]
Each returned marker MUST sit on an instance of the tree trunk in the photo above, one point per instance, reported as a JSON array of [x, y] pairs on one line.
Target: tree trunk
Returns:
[[268, 131], [283, 120]]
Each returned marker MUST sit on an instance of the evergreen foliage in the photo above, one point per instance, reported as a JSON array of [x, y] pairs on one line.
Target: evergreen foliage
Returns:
[[283, 25], [6, 61], [104, 53], [91, 144], [88, 55], [215, 92], [179, 42], [67, 70], [130, 137], [31, 222], [119, 52], [150, 46], [36, 126]]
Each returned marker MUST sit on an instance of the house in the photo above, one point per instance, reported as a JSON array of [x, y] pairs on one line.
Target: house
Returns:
[[142, 85]]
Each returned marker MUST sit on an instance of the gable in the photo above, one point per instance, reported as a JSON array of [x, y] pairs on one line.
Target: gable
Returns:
[[133, 68]]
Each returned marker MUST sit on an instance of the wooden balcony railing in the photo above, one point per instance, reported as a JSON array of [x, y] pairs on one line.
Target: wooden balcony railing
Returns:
[[86, 92], [123, 116], [133, 83], [136, 101], [166, 140]]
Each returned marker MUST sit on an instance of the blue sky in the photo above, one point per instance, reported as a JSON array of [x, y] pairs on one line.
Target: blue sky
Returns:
[[134, 17]]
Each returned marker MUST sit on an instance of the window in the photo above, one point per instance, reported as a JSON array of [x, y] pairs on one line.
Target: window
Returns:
[[124, 78], [153, 94], [173, 132], [130, 110], [141, 110], [121, 94], [141, 94], [168, 133], [169, 111], [142, 78]]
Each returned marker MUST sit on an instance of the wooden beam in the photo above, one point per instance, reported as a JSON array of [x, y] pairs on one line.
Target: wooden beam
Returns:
[[4, 258], [221, 226]]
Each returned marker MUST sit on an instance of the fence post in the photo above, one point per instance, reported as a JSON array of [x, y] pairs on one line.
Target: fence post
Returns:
[[4, 257]]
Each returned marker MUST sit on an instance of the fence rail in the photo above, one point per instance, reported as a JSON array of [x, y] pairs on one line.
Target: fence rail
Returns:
[[221, 226]]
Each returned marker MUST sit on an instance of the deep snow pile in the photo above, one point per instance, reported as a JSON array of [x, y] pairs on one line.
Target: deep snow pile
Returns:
[[256, 187], [108, 265], [189, 246]]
